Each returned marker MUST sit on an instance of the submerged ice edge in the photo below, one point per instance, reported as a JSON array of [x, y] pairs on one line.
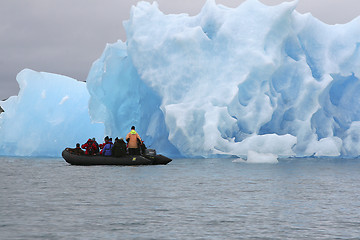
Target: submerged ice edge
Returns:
[[221, 83]]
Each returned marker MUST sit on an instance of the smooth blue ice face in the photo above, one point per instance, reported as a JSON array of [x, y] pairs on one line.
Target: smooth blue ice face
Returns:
[[120, 99], [49, 114], [229, 81]]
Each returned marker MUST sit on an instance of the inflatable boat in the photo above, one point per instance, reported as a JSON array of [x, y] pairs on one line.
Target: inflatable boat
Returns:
[[148, 158]]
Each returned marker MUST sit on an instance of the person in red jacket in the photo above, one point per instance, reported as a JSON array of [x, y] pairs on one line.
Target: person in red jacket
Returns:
[[97, 149], [102, 145], [89, 147]]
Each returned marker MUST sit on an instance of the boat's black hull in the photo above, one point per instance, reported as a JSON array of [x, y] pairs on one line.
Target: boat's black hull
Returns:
[[127, 160]]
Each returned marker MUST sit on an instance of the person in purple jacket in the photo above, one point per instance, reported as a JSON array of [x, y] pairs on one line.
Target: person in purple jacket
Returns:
[[107, 150]]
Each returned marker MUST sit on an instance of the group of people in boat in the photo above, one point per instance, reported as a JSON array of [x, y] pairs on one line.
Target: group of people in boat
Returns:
[[119, 148]]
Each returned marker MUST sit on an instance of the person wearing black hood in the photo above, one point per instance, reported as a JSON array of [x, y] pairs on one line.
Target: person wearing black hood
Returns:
[[119, 148]]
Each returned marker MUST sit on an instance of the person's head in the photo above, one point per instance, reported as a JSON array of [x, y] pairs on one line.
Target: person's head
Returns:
[[132, 127], [78, 145]]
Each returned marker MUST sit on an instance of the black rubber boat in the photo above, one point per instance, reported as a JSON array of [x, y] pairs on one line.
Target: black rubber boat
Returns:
[[149, 158]]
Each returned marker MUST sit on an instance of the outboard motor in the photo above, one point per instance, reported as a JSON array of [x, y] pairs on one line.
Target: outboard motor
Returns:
[[150, 152]]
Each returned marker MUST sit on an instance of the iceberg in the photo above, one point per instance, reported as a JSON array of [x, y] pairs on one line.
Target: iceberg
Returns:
[[226, 82], [49, 114], [254, 157]]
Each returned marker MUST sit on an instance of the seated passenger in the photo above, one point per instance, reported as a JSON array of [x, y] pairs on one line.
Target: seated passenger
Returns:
[[142, 147], [89, 147], [107, 150], [119, 148], [101, 146], [77, 150], [97, 149]]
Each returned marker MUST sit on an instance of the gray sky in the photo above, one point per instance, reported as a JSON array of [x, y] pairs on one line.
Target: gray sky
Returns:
[[67, 36]]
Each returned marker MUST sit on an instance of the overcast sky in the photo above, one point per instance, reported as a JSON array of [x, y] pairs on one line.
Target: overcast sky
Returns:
[[67, 36]]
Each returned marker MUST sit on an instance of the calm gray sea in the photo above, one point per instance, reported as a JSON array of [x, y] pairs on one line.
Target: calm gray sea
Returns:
[[186, 199]]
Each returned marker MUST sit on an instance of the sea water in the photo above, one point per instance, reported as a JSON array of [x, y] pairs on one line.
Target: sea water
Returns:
[[186, 199]]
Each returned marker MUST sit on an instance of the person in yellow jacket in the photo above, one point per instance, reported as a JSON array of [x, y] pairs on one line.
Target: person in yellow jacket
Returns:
[[133, 138]]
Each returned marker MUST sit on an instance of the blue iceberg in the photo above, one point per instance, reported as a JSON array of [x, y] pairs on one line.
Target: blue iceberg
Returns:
[[225, 82]]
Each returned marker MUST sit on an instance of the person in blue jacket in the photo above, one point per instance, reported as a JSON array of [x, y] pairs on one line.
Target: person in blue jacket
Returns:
[[107, 150]]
